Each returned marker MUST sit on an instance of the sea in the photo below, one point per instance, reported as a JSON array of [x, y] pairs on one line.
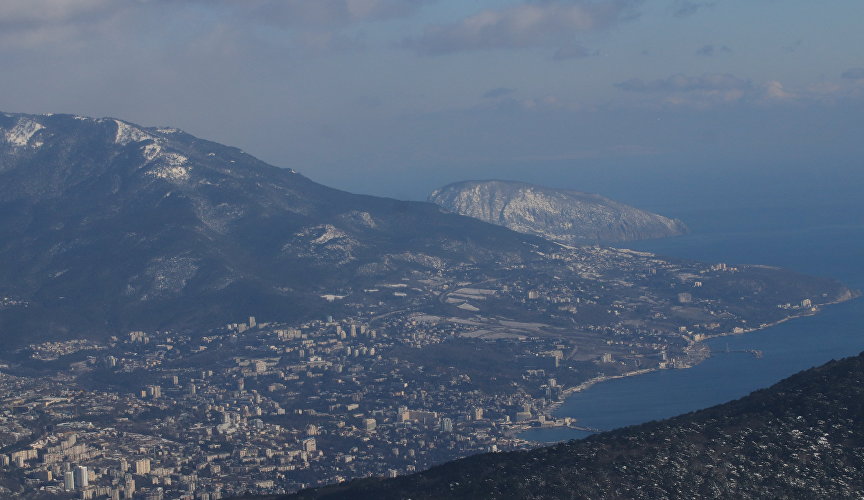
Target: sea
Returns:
[[824, 239]]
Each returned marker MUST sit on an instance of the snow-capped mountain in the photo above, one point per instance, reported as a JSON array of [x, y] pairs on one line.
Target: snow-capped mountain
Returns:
[[107, 227], [564, 216], [105, 224]]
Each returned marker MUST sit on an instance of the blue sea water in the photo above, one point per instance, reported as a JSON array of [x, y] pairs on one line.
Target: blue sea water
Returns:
[[825, 240]]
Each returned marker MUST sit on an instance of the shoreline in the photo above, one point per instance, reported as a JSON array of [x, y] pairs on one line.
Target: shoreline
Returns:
[[569, 391]]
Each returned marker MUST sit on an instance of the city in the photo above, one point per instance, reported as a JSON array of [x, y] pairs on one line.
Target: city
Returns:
[[417, 373]]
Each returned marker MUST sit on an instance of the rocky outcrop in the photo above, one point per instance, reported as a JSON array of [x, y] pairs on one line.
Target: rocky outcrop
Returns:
[[564, 216]]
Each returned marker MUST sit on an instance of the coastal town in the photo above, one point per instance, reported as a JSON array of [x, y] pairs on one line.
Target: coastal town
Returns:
[[417, 372]]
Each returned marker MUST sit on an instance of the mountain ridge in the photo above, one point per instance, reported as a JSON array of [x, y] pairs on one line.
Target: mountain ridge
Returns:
[[166, 221], [107, 227]]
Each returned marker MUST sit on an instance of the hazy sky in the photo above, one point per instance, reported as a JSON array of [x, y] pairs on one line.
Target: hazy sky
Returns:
[[396, 97]]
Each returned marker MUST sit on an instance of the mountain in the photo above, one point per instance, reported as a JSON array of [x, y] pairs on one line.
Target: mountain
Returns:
[[561, 215], [106, 225], [801, 438]]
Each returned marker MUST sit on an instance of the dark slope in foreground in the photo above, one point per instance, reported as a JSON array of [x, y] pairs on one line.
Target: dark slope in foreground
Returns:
[[801, 438]]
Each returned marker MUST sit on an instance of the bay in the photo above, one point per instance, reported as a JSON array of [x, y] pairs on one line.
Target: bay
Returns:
[[827, 240]]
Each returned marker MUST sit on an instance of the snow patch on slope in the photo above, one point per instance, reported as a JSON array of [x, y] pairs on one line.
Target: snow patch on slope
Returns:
[[324, 243], [171, 173], [151, 151], [127, 134], [166, 165], [164, 276], [328, 233], [23, 131], [360, 218]]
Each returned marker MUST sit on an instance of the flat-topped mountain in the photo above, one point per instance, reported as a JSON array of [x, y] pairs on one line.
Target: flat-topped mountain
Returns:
[[801, 438], [561, 215]]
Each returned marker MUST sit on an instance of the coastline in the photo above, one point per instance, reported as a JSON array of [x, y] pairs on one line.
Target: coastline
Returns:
[[520, 428], [814, 310]]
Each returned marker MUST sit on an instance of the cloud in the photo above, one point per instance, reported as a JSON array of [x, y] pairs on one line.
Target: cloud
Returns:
[[774, 91], [285, 12], [853, 74], [317, 24], [711, 50], [708, 82], [29, 12], [33, 23], [684, 8], [310, 13], [499, 92], [543, 23], [710, 89]]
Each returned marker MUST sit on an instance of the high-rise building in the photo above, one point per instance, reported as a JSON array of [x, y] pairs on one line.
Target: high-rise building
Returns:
[[139, 337], [129, 487], [142, 466], [446, 425], [69, 480], [82, 477]]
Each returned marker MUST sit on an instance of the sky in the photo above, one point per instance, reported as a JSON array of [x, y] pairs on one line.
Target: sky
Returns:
[[645, 100]]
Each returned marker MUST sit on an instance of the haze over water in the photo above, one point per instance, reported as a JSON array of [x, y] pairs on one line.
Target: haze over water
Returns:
[[821, 239]]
